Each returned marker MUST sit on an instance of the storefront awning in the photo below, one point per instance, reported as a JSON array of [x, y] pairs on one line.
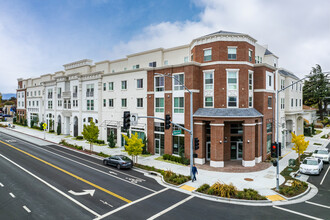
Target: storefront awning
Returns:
[[228, 113]]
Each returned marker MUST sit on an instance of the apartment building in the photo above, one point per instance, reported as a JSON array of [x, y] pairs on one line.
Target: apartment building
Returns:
[[231, 76], [291, 115], [21, 100]]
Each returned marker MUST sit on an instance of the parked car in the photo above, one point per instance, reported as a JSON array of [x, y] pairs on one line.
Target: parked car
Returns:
[[119, 161], [6, 115], [322, 154], [311, 165]]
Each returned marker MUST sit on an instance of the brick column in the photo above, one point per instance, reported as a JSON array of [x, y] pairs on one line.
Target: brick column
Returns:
[[217, 148], [249, 143], [258, 144], [199, 132], [150, 124]]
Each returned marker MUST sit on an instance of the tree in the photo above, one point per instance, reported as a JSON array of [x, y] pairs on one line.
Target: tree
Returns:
[[90, 133], [134, 146], [316, 90], [111, 140], [58, 128], [300, 145]]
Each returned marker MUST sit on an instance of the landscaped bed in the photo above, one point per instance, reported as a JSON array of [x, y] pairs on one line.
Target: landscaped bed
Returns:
[[230, 191], [292, 187], [169, 176]]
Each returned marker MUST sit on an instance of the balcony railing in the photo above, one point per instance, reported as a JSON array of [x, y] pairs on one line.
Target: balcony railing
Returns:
[[66, 95]]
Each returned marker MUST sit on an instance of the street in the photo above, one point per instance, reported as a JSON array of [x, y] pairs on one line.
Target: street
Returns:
[[52, 182]]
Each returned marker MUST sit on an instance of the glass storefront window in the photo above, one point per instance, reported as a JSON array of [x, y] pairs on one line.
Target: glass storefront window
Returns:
[[269, 127], [269, 142], [236, 129], [178, 145]]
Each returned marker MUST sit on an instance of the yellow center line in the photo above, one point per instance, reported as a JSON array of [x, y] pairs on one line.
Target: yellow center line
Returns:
[[70, 174]]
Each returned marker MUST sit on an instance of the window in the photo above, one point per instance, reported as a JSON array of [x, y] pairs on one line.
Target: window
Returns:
[[296, 102], [27, 94], [75, 92], [300, 87], [296, 86], [139, 102], [39, 92], [159, 84], [232, 101], [159, 105], [192, 57], [123, 84], [269, 81], [111, 86], [59, 103], [50, 104], [37, 103], [111, 103], [292, 85], [291, 102], [29, 103], [179, 105], [250, 81], [282, 103], [59, 93], [185, 60], [232, 53], [208, 101], [178, 81], [250, 55], [104, 86], [90, 90], [282, 83], [269, 142], [152, 64], [90, 105], [35, 93], [123, 103], [299, 102], [137, 66], [207, 54], [165, 62], [50, 93], [208, 81], [104, 102], [232, 80], [269, 102], [250, 101], [33, 103], [269, 127], [139, 83]]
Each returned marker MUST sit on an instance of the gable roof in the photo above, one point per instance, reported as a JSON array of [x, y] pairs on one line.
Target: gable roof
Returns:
[[287, 73]]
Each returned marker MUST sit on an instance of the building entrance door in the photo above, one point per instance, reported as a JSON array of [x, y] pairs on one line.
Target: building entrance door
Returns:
[[239, 150], [157, 146], [208, 151], [236, 150]]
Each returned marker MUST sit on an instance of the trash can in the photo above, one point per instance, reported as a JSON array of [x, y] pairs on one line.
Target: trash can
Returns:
[[292, 162]]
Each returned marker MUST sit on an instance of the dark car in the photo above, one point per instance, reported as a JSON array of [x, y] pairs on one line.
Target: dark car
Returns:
[[6, 115], [119, 161]]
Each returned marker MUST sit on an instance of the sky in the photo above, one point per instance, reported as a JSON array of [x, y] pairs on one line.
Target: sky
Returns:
[[40, 36]]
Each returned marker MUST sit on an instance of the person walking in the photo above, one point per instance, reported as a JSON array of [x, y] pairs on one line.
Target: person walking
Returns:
[[194, 172]]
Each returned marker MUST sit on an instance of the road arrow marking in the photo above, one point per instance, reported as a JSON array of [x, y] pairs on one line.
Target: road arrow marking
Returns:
[[86, 192], [112, 173]]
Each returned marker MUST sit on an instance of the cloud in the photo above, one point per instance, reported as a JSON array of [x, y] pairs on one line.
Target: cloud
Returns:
[[296, 31]]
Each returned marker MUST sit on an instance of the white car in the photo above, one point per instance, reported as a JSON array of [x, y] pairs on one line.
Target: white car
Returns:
[[322, 154], [311, 165]]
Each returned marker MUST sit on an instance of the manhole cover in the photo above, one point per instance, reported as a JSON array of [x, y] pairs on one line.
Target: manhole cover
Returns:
[[248, 179]]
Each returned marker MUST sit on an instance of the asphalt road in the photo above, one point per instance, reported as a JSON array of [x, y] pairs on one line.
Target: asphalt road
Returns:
[[48, 182]]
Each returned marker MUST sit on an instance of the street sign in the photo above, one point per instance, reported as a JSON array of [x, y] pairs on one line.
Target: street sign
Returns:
[[134, 119], [176, 132]]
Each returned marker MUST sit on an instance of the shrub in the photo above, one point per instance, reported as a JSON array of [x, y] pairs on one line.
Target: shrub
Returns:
[[14, 120], [58, 129], [99, 141], [32, 124], [79, 137], [40, 126], [25, 122], [51, 131], [103, 154], [181, 160], [224, 190], [203, 188]]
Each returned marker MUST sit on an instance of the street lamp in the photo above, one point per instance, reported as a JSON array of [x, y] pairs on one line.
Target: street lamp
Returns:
[[191, 132], [277, 125]]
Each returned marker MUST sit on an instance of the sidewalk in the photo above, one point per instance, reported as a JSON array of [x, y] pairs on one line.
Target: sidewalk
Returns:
[[262, 181]]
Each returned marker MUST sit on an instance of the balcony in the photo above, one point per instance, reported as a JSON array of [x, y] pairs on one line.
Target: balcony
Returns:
[[66, 95]]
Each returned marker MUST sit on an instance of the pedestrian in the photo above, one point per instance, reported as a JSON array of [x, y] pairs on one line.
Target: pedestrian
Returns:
[[194, 172]]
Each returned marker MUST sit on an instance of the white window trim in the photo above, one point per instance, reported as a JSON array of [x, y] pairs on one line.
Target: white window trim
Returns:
[[178, 107], [237, 90], [159, 107], [173, 82], [121, 85], [210, 48], [155, 83], [137, 84], [137, 103], [252, 73], [204, 96], [271, 88]]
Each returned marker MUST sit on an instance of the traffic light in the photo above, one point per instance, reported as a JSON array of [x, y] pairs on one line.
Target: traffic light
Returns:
[[127, 120], [273, 150], [196, 144], [167, 121]]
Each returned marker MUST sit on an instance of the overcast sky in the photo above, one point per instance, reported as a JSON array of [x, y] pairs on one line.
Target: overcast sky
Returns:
[[37, 37]]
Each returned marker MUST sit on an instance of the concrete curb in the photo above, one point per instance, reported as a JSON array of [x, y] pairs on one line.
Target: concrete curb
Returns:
[[297, 196]]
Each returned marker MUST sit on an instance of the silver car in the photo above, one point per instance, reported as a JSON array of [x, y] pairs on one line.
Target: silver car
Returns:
[[322, 154]]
